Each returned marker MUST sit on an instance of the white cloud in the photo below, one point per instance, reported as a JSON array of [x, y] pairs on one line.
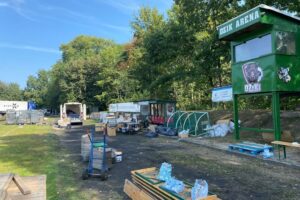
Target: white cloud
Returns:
[[66, 11], [125, 6], [121, 28], [29, 47], [18, 6]]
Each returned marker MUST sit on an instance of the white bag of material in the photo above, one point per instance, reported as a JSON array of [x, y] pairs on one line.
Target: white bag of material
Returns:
[[174, 185], [184, 132], [85, 147], [231, 126], [165, 172], [200, 189], [266, 153], [219, 130]]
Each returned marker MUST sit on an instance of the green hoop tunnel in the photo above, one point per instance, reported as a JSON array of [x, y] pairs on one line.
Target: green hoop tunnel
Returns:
[[197, 122]]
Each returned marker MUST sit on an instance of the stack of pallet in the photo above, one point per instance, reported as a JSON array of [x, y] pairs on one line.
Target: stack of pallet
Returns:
[[147, 187]]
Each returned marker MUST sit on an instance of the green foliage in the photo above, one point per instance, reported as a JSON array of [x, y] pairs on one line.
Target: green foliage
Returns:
[[37, 88], [91, 72], [10, 92], [179, 57]]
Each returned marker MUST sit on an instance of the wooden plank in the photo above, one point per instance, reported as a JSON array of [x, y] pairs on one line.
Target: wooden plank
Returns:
[[286, 144], [149, 189], [3, 194], [159, 192], [146, 170], [256, 145], [36, 184], [134, 192], [21, 185], [156, 187], [210, 197], [5, 180]]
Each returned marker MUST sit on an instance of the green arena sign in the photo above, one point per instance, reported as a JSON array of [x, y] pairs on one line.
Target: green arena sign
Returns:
[[265, 59], [240, 22]]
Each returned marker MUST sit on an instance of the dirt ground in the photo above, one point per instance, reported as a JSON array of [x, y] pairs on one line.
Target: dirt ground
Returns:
[[230, 176], [262, 119]]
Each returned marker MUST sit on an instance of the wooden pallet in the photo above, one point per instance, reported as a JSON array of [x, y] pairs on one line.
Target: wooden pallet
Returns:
[[134, 192], [145, 181], [14, 187], [257, 145], [249, 148]]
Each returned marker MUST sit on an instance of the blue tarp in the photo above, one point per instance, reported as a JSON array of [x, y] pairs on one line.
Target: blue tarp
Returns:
[[31, 105]]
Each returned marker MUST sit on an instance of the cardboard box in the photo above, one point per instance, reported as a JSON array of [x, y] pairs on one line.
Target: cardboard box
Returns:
[[98, 158], [120, 125], [111, 131], [183, 135], [223, 121], [99, 127]]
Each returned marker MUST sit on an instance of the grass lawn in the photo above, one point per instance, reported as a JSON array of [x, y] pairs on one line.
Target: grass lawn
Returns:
[[33, 150], [90, 121]]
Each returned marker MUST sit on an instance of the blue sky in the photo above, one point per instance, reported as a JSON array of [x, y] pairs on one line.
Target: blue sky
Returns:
[[32, 30]]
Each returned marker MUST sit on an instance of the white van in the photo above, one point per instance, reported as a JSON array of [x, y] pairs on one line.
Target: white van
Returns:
[[73, 113]]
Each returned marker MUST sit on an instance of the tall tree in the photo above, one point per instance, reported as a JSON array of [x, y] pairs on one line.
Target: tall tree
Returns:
[[10, 92], [37, 88], [87, 72]]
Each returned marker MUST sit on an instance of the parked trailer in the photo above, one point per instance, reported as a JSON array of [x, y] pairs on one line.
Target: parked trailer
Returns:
[[13, 105], [73, 113]]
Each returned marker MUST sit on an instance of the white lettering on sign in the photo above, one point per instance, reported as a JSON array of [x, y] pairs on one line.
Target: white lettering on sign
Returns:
[[247, 19], [239, 22], [256, 87], [226, 29]]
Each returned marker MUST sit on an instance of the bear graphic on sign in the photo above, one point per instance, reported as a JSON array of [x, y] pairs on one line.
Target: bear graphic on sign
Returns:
[[252, 73]]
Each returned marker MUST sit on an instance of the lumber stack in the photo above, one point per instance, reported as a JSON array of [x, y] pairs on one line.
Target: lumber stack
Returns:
[[146, 186]]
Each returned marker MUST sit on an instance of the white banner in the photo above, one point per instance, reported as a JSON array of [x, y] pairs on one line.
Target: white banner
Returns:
[[222, 94], [13, 105], [124, 107]]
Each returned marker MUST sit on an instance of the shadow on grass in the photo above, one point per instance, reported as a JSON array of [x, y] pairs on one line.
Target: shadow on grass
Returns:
[[31, 154], [36, 154]]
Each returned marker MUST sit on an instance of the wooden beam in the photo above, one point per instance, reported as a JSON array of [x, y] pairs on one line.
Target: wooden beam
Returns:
[[134, 192], [21, 185], [5, 180]]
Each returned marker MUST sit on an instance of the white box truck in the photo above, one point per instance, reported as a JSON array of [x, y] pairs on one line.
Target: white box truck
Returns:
[[13, 105], [73, 113]]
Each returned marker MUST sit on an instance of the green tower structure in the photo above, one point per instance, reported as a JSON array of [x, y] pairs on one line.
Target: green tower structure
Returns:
[[265, 58]]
